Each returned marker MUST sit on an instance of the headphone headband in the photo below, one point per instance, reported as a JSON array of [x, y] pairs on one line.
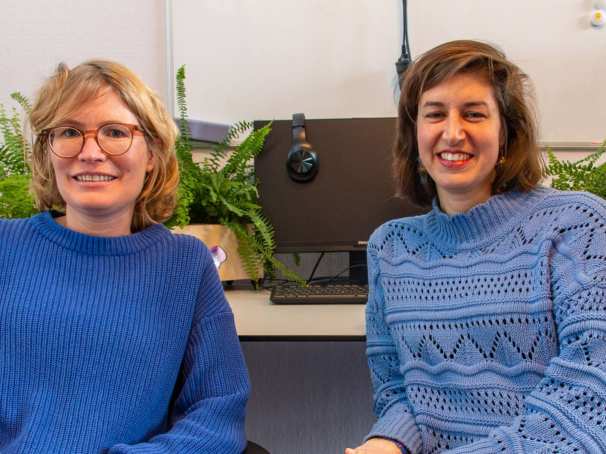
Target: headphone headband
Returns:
[[298, 128], [298, 119]]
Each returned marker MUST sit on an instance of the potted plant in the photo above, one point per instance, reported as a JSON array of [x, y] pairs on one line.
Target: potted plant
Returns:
[[583, 175], [15, 199], [219, 197]]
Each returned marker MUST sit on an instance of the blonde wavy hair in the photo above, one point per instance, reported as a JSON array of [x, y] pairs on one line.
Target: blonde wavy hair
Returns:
[[66, 91]]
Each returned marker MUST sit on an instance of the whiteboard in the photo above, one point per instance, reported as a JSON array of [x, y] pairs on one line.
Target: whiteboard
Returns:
[[266, 59]]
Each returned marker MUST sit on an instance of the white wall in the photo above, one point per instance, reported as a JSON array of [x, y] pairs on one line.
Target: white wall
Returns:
[[253, 59], [250, 59], [328, 58], [36, 35], [245, 56]]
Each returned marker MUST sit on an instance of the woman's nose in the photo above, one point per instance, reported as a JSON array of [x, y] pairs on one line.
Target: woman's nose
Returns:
[[454, 130], [91, 150]]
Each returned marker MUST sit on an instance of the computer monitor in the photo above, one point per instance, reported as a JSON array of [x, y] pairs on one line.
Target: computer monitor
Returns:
[[351, 195]]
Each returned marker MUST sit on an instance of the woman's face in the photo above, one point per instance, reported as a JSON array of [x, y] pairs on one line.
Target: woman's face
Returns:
[[458, 135], [97, 186]]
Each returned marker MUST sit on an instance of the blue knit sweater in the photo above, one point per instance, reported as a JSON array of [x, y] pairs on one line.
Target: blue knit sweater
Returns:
[[115, 345], [487, 330]]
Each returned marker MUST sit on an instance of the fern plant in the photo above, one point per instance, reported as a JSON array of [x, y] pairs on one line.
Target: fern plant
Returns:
[[583, 175], [15, 149], [188, 170], [222, 189], [15, 176]]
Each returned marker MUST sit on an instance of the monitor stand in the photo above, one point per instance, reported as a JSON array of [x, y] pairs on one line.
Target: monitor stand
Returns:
[[358, 273]]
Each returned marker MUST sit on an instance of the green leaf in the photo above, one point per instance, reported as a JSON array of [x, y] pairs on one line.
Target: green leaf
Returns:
[[15, 149], [582, 175]]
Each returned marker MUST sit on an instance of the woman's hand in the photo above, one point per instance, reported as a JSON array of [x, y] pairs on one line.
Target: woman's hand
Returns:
[[375, 446]]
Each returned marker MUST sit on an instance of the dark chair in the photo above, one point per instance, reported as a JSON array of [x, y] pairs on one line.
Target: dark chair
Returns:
[[253, 448]]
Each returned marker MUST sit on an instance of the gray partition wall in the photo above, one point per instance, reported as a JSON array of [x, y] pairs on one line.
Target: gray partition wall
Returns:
[[308, 396]]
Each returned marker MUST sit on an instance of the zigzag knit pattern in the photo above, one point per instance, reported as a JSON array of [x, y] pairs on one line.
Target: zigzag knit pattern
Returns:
[[487, 330], [115, 345]]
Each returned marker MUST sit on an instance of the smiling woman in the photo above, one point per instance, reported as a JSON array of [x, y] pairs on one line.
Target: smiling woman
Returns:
[[100, 171], [117, 331], [93, 96], [485, 317]]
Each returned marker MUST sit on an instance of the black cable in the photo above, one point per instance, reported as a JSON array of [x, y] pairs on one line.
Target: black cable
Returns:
[[311, 276], [404, 60], [336, 276], [311, 279], [278, 282]]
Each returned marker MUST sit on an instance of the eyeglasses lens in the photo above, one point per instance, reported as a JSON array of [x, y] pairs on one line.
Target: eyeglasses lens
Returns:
[[66, 141], [114, 139]]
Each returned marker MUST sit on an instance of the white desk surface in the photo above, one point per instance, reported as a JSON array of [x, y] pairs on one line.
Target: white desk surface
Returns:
[[256, 317]]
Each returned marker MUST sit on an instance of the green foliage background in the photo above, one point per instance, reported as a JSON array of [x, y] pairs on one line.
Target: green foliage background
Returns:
[[15, 199], [15, 176], [582, 175]]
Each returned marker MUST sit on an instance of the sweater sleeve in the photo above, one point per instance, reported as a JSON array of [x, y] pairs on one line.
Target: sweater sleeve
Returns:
[[394, 417], [207, 416], [565, 411]]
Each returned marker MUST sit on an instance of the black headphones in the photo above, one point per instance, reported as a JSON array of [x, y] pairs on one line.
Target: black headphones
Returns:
[[302, 163]]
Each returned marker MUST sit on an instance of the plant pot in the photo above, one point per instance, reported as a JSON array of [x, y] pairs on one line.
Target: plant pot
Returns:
[[223, 244]]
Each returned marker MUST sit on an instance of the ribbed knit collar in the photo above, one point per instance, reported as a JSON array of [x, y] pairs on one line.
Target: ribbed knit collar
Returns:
[[44, 224], [484, 221]]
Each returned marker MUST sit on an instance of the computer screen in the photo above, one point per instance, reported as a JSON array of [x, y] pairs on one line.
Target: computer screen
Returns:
[[351, 195]]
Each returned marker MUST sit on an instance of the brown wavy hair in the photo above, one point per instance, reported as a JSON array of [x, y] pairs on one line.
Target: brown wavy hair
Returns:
[[521, 166], [68, 89]]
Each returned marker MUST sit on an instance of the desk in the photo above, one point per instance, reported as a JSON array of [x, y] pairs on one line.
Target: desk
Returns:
[[258, 319], [303, 374]]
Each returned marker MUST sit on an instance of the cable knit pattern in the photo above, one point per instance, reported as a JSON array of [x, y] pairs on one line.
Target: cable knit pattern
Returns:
[[487, 330], [115, 345]]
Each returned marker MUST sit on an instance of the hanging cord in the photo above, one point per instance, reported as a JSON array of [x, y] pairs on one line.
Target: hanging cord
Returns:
[[404, 60]]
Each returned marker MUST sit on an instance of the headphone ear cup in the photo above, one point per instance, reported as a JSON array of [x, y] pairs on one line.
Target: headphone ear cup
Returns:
[[302, 162]]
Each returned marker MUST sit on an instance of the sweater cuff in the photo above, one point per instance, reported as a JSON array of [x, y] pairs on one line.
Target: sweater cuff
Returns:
[[403, 449], [398, 424]]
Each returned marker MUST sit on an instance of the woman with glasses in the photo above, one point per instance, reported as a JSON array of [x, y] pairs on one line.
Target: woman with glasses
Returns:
[[115, 335], [486, 317]]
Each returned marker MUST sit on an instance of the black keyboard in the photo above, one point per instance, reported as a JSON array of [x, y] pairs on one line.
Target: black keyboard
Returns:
[[319, 294]]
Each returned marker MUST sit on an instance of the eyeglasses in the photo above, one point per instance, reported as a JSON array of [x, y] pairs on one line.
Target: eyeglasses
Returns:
[[113, 139]]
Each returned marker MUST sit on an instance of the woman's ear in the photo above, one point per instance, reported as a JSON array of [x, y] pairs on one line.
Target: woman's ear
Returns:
[[151, 156], [151, 162]]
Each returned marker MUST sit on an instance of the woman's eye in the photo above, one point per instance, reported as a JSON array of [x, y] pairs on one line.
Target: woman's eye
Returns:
[[475, 115], [114, 132], [434, 115], [69, 133]]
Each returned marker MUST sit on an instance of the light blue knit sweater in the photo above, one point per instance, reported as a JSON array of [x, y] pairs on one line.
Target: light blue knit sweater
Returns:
[[487, 330], [115, 345]]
